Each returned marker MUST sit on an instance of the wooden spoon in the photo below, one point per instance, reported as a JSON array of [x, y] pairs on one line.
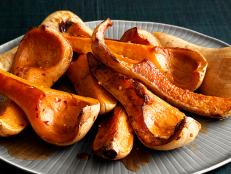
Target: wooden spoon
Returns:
[[217, 81]]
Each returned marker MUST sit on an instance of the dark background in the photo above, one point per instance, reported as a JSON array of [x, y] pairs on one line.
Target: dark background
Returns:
[[211, 17]]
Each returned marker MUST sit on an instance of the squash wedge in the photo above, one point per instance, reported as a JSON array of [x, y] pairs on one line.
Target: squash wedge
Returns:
[[12, 118], [155, 122], [59, 118], [157, 82], [114, 138], [183, 67], [86, 85], [217, 79], [42, 57]]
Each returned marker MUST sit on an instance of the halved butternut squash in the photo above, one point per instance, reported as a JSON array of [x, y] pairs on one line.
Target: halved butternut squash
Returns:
[[155, 122], [114, 138], [59, 118], [42, 57], [183, 67], [86, 85], [217, 79], [150, 75]]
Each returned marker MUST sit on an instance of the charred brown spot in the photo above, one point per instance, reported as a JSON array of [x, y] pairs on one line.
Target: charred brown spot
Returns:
[[75, 56], [63, 26], [109, 153], [43, 27], [180, 125], [114, 59], [46, 122], [139, 89], [147, 99]]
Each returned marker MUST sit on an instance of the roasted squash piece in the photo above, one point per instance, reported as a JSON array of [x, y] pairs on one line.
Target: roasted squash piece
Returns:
[[12, 118], [139, 36], [42, 57], [86, 85], [59, 118], [217, 78], [183, 67], [157, 82], [156, 123], [82, 45], [57, 21], [187, 135], [67, 21], [114, 138]]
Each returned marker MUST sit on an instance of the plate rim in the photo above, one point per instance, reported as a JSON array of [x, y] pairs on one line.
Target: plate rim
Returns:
[[221, 163]]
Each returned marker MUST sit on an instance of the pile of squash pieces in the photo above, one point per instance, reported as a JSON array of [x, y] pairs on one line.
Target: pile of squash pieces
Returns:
[[144, 81]]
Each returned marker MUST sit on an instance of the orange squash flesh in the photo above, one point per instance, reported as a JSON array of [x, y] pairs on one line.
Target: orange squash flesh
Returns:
[[86, 85], [12, 118], [139, 36], [114, 138], [42, 57], [183, 67]]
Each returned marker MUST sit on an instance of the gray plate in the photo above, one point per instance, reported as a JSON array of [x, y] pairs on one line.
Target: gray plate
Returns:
[[210, 150]]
